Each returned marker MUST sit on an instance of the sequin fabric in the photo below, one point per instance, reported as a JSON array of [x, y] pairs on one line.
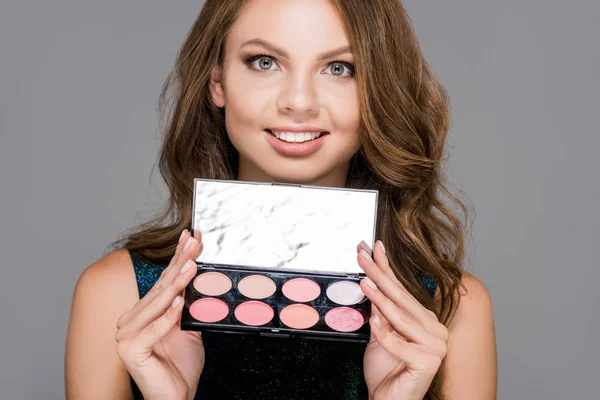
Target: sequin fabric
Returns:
[[254, 367], [429, 284]]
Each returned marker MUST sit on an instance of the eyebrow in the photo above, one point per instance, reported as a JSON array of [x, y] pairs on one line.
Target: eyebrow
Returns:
[[283, 53]]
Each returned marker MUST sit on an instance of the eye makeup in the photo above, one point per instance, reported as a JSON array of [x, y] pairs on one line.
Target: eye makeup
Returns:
[[212, 283], [345, 292], [280, 260], [257, 287], [301, 290]]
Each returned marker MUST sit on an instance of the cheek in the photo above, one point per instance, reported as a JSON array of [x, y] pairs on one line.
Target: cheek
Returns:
[[245, 102], [345, 112]]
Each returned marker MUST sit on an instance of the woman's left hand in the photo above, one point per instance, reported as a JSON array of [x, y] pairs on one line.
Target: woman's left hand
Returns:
[[407, 344]]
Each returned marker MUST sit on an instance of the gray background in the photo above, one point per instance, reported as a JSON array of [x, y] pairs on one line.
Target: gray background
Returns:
[[79, 82]]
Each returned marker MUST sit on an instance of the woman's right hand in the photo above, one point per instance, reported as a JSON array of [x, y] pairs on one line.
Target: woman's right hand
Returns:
[[164, 361]]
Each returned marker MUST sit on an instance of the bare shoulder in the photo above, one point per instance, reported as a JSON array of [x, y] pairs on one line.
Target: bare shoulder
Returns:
[[471, 362], [105, 290], [113, 273], [475, 298]]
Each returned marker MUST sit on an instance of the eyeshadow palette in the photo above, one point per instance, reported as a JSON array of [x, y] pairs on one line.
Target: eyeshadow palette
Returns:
[[280, 260]]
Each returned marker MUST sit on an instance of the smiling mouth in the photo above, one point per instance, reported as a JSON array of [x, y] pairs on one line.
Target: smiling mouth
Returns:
[[297, 137]]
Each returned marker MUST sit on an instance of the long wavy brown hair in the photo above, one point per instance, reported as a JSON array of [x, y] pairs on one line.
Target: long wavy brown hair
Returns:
[[404, 124]]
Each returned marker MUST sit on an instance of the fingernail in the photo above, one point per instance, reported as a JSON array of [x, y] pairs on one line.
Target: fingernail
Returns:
[[366, 255], [382, 246], [182, 235], [186, 266], [377, 321], [363, 245], [188, 244], [370, 283], [175, 302]]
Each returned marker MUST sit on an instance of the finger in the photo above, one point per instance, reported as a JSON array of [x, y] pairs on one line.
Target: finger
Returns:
[[382, 261], [157, 305], [168, 274], [385, 324], [412, 355], [377, 255], [198, 235], [363, 246], [402, 298], [424, 316], [140, 347], [188, 249], [183, 252], [401, 322]]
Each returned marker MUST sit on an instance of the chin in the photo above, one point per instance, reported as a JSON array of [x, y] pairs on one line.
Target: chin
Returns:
[[295, 178], [294, 174]]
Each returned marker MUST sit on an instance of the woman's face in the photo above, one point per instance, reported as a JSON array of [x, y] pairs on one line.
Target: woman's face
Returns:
[[288, 68]]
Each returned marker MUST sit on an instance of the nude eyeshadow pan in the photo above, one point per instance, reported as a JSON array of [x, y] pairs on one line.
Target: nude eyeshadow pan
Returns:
[[257, 287], [212, 283]]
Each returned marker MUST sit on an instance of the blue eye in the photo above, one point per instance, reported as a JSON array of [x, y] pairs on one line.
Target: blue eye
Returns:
[[265, 62], [337, 68]]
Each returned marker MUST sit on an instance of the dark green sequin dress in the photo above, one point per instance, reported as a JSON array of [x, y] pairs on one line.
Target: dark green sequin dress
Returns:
[[254, 367]]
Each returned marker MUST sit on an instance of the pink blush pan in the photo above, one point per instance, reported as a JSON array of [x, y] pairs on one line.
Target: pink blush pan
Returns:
[[209, 310], [301, 290], [254, 313], [344, 319]]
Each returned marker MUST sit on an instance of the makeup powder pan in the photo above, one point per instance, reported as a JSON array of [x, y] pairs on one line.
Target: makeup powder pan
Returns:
[[209, 310], [345, 293], [344, 319], [299, 316], [301, 290], [212, 283], [257, 287], [254, 313]]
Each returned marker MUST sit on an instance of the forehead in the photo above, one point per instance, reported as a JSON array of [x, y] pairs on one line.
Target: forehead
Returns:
[[292, 24]]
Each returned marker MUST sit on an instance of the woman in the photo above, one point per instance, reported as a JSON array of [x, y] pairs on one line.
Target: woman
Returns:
[[351, 70]]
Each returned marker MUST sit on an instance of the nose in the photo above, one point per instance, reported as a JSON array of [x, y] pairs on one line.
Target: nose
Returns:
[[298, 97]]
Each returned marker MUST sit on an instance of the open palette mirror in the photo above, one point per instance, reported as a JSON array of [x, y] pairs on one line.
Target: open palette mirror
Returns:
[[280, 260]]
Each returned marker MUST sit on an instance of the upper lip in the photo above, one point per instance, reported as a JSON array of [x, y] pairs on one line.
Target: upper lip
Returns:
[[297, 128]]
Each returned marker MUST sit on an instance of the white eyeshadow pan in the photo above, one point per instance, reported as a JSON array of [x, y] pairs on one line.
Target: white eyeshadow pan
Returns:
[[345, 293]]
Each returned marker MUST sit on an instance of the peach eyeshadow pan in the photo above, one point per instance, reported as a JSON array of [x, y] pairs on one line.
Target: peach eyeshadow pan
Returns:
[[212, 283], [299, 316]]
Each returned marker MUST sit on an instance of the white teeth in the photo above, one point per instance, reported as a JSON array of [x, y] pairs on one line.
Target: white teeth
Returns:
[[297, 137]]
